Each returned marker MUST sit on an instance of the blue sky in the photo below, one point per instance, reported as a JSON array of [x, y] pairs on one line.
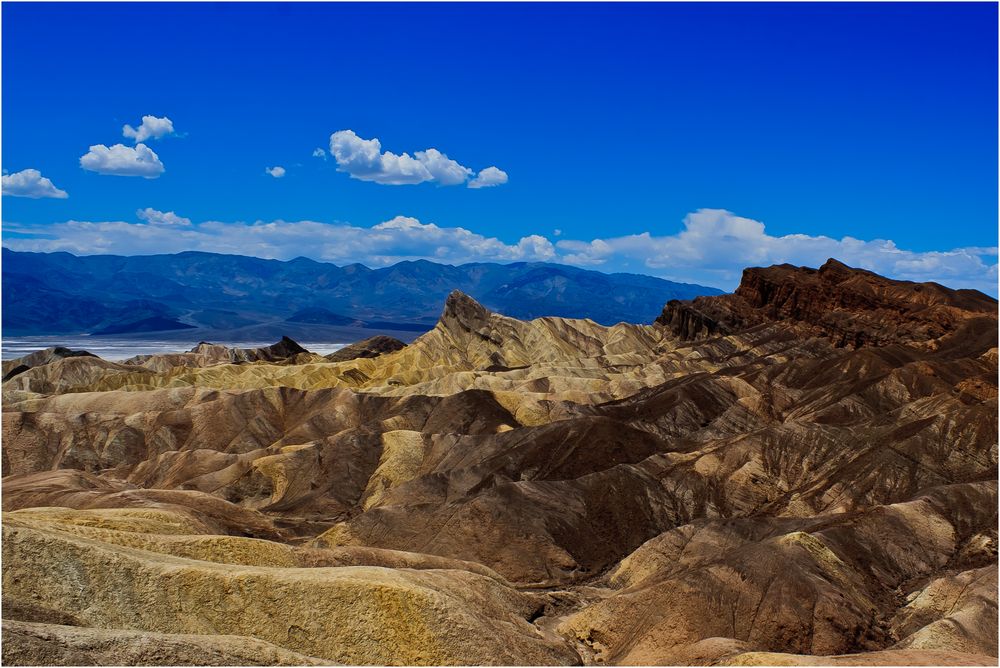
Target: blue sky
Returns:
[[648, 138]]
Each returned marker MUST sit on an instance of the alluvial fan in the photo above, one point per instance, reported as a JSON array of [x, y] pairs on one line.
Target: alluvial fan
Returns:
[[802, 472]]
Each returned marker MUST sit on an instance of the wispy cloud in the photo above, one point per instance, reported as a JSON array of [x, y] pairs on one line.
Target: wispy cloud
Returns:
[[121, 160], [150, 128], [31, 183], [364, 159], [276, 171], [712, 248]]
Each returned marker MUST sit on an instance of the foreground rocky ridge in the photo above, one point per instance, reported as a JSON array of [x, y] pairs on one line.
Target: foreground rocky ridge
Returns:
[[805, 468]]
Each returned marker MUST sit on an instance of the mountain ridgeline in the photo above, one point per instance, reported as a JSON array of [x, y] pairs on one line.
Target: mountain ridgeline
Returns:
[[201, 294]]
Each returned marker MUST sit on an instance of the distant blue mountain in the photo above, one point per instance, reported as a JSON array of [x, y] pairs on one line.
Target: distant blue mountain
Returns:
[[60, 293]]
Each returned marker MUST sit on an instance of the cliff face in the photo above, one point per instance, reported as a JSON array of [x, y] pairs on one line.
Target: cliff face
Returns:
[[801, 472], [850, 307]]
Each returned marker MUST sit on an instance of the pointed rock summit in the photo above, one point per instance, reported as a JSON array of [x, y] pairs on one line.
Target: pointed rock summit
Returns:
[[464, 310], [463, 314], [286, 347]]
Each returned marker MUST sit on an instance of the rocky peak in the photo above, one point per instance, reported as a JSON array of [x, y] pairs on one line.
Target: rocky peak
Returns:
[[367, 348], [286, 347], [17, 366], [215, 353], [204, 347], [462, 310], [834, 269]]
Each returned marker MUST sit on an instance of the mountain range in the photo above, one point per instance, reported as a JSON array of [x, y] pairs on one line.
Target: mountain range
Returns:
[[803, 472], [242, 298]]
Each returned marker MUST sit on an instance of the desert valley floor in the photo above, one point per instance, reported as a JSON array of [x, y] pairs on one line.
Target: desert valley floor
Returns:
[[802, 472]]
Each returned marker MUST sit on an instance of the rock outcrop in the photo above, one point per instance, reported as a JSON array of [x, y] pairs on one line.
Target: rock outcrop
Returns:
[[851, 307], [370, 347], [208, 354], [19, 365], [28, 644]]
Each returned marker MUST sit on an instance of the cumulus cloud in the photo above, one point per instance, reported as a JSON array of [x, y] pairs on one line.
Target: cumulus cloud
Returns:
[[154, 217], [712, 248], [319, 153], [151, 128], [364, 159], [121, 160], [489, 177], [408, 238], [31, 183], [715, 246], [441, 168], [276, 171]]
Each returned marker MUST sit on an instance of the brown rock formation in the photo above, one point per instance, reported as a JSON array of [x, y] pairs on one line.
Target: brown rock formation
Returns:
[[370, 347], [209, 354], [38, 358], [851, 307]]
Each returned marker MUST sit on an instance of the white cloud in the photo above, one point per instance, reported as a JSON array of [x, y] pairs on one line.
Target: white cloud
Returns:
[[392, 241], [121, 160], [319, 153], [151, 128], [489, 177], [441, 168], [276, 172], [713, 247], [364, 159], [407, 238], [31, 183], [154, 217]]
